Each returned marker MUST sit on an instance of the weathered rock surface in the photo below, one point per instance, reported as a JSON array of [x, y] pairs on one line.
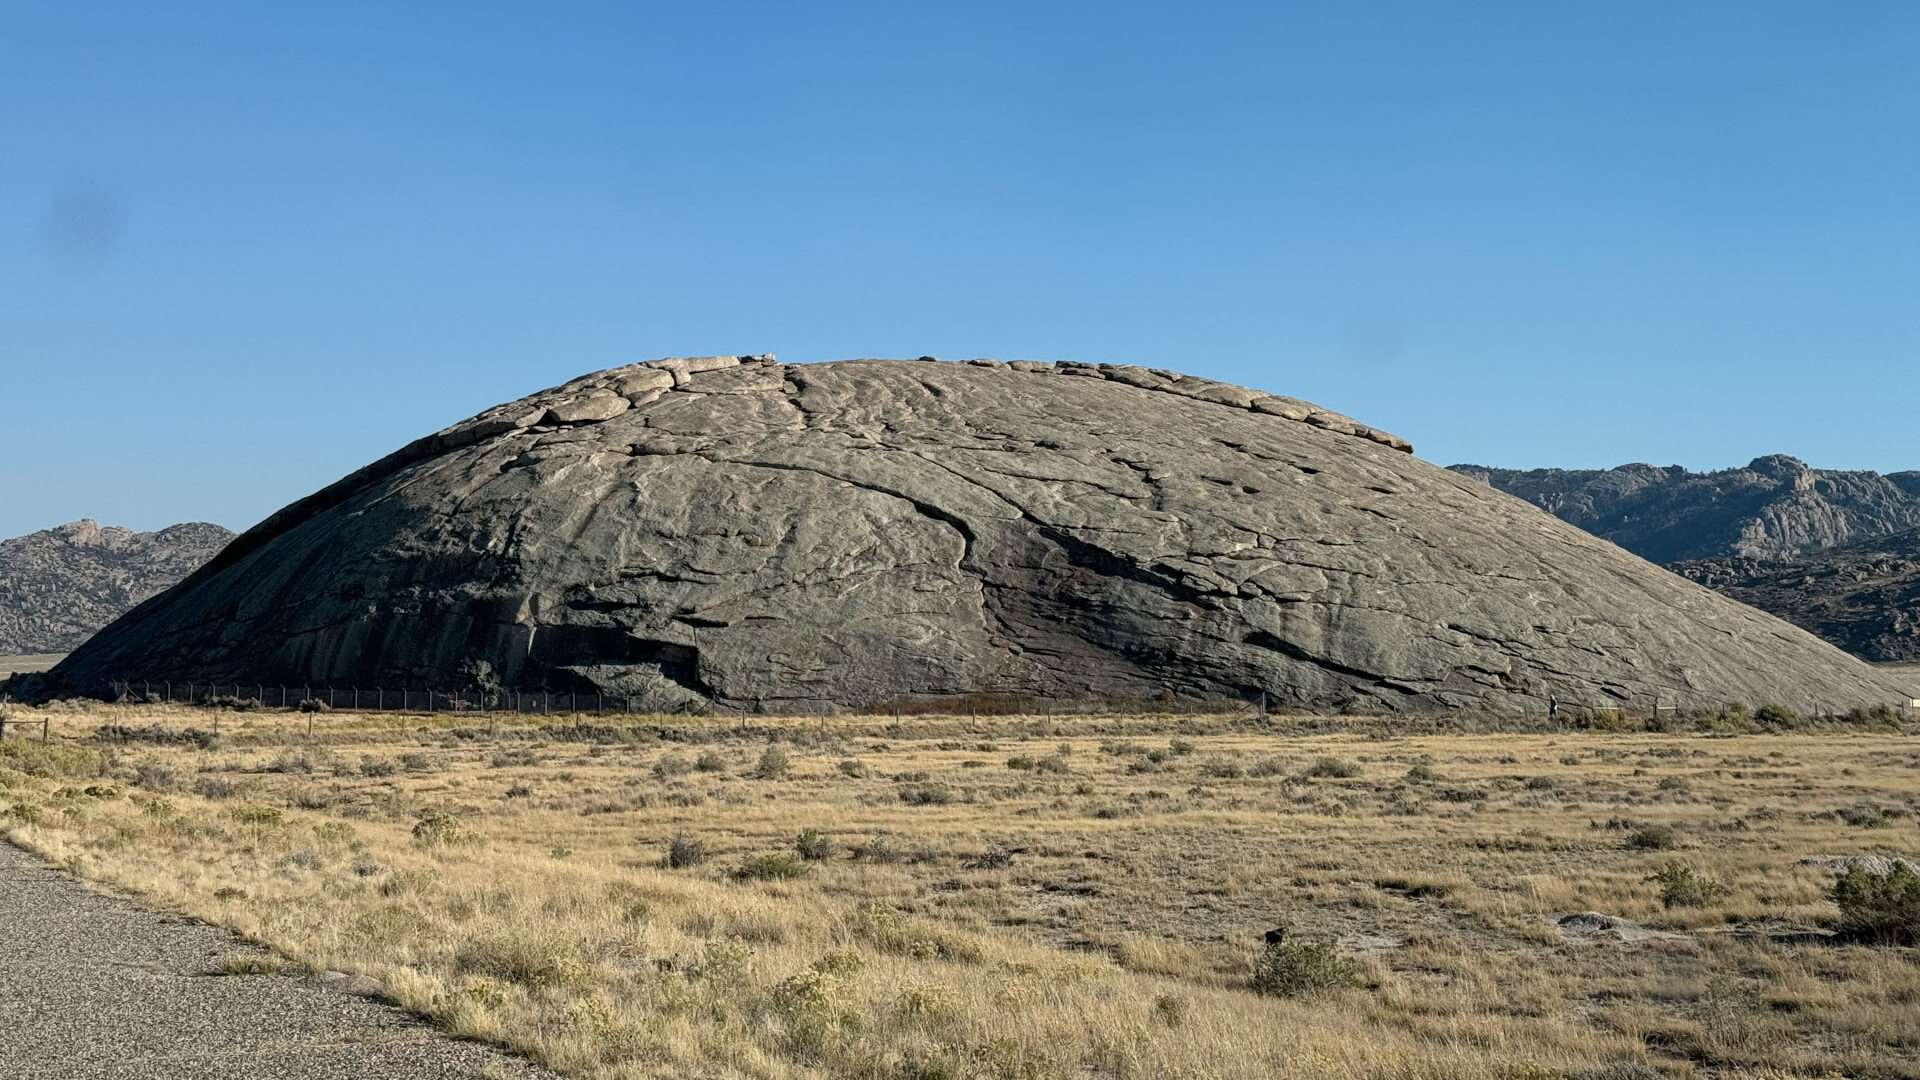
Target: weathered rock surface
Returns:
[[1774, 508], [59, 586], [1863, 597], [798, 537]]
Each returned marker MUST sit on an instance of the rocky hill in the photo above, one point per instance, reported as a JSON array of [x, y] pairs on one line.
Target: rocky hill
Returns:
[[735, 533], [1863, 597], [1773, 508], [59, 586]]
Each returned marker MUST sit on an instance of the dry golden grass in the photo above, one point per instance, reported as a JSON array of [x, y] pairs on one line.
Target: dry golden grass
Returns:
[[1022, 897]]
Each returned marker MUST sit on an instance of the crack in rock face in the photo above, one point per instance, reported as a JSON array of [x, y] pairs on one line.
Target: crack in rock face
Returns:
[[739, 533]]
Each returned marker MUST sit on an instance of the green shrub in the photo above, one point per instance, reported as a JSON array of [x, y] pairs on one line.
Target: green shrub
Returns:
[[526, 959], [1874, 716], [1298, 967], [879, 849], [214, 787], [773, 764], [1683, 886], [813, 846], [52, 761], [671, 765], [1731, 719], [770, 868], [443, 830], [926, 794], [709, 762], [154, 776], [1776, 717], [1654, 838], [1880, 908], [684, 851], [1863, 816], [1333, 768], [893, 932]]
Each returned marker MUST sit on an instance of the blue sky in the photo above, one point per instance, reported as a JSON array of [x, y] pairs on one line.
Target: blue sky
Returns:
[[246, 248]]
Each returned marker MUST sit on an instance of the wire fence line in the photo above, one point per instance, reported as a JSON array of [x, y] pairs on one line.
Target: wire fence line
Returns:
[[372, 699]]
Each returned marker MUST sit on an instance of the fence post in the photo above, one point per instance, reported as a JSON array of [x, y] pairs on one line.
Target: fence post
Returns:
[[46, 729]]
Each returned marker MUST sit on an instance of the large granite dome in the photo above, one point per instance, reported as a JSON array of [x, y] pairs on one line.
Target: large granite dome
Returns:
[[737, 532]]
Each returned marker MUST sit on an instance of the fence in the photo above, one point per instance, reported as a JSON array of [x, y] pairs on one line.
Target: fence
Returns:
[[45, 724], [374, 698]]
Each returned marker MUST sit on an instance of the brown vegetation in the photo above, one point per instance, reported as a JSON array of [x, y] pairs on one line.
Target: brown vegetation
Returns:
[[1025, 897]]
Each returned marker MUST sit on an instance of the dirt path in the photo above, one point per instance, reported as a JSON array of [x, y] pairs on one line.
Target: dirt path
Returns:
[[94, 988]]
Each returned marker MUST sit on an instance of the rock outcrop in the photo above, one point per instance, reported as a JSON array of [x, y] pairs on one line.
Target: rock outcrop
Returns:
[[1863, 597], [1774, 508], [60, 585], [739, 533]]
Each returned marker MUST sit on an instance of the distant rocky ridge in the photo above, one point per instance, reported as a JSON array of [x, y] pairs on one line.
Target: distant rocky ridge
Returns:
[[59, 586], [1775, 508], [1863, 597]]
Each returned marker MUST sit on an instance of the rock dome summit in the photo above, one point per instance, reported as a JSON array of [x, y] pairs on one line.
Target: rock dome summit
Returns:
[[738, 533]]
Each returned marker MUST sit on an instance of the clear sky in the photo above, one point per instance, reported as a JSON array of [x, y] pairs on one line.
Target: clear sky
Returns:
[[246, 248]]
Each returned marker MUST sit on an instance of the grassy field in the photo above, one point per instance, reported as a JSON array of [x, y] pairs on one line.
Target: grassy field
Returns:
[[19, 663], [1024, 897]]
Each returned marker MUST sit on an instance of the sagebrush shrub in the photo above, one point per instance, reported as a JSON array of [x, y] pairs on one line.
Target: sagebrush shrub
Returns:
[[926, 794], [154, 776], [443, 830], [684, 851], [813, 846], [214, 787], [774, 763], [1683, 886], [770, 868], [1654, 838], [1297, 967], [1881, 908]]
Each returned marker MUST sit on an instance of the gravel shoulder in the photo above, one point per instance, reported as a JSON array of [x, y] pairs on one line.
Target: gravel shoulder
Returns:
[[95, 988]]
